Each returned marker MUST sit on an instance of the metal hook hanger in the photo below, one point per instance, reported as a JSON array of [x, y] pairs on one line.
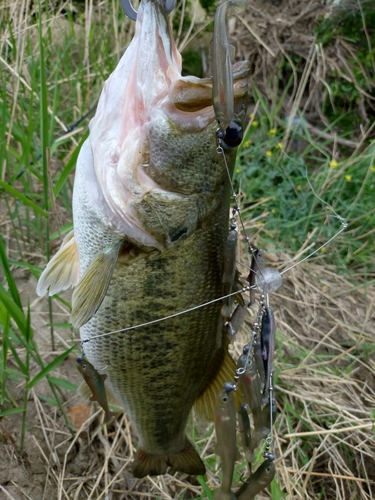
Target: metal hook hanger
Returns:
[[130, 11]]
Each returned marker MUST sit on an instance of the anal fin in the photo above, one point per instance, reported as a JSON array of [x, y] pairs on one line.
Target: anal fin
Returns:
[[92, 288], [205, 405]]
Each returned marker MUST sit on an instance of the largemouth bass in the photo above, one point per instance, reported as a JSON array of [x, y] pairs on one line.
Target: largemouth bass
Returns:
[[150, 212]]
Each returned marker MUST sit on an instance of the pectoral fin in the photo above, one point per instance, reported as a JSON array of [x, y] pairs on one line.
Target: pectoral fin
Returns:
[[62, 271], [93, 286]]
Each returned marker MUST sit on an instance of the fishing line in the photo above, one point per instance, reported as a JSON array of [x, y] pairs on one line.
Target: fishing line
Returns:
[[128, 328], [344, 226], [344, 223]]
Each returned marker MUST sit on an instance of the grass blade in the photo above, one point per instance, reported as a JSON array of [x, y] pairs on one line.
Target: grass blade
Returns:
[[13, 290], [65, 384], [11, 411], [17, 194], [51, 366], [14, 310], [44, 129], [69, 166]]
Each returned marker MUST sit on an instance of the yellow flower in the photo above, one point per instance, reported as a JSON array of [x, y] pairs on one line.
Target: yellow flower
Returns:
[[324, 288], [255, 123], [333, 164], [251, 115], [372, 168], [273, 211], [269, 153], [299, 187], [323, 249], [279, 145], [348, 177], [238, 170], [246, 144], [272, 131]]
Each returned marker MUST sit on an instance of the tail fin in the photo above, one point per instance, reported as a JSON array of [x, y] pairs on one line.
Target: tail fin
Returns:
[[187, 461]]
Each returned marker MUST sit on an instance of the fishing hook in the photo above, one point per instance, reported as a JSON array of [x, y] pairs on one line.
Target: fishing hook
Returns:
[[130, 11], [242, 481]]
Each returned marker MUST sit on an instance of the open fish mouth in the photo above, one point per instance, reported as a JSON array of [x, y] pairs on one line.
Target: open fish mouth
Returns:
[[136, 91], [145, 93]]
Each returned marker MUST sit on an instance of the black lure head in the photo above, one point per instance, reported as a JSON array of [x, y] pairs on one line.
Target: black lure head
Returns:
[[232, 136]]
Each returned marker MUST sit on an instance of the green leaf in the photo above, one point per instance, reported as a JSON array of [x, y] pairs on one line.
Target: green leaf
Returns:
[[13, 290], [207, 492], [11, 411], [20, 363], [49, 400], [29, 334], [64, 230], [13, 373], [51, 366], [61, 325], [17, 194], [69, 166], [65, 384], [14, 310], [35, 270], [276, 492]]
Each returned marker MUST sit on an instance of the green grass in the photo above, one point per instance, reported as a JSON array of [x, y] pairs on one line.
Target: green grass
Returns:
[[285, 173], [52, 70]]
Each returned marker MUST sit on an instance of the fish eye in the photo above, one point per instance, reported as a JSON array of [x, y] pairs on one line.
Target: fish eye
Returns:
[[233, 135], [84, 366], [225, 399]]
